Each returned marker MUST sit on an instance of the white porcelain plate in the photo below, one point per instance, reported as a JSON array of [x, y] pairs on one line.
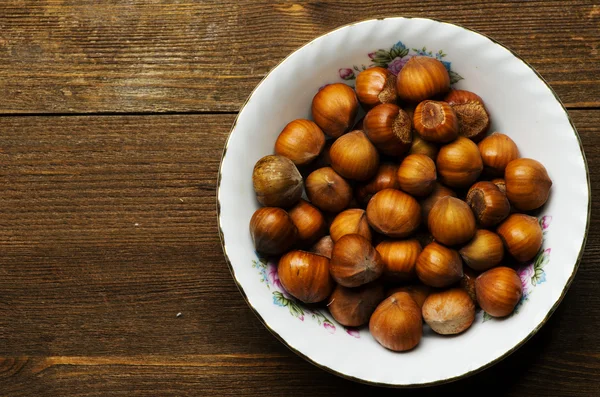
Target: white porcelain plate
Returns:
[[520, 104]]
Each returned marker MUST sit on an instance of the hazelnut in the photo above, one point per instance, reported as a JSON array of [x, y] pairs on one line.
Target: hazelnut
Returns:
[[353, 156], [277, 182], [449, 312], [323, 247], [421, 146], [272, 230], [305, 276], [352, 307], [522, 236], [439, 191], [396, 323], [459, 163], [352, 221], [354, 261], [393, 213], [418, 292], [309, 221], [498, 291], [497, 150], [439, 266], [484, 251], [467, 282], [334, 109], [527, 184], [389, 128], [327, 190], [301, 141], [488, 202], [421, 78], [416, 175], [451, 221], [435, 121], [385, 178], [399, 259], [473, 119], [375, 86], [500, 183]]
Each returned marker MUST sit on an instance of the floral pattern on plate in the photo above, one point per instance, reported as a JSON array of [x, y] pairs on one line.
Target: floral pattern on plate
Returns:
[[268, 273], [394, 60]]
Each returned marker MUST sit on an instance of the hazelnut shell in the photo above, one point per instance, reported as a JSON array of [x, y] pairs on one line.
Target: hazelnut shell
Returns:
[[334, 109], [352, 221], [272, 231], [527, 184], [416, 175], [421, 78], [354, 261], [374, 86], [394, 213], [353, 156], [522, 236], [301, 141], [327, 190], [352, 307], [498, 291], [435, 121], [497, 150], [277, 182], [399, 258], [459, 163], [396, 323], [451, 221], [473, 118], [305, 276], [449, 312], [439, 266]]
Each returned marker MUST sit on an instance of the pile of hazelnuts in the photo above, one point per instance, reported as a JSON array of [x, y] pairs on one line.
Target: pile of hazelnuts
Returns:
[[411, 214]]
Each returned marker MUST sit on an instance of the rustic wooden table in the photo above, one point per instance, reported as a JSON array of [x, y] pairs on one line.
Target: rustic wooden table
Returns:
[[113, 118]]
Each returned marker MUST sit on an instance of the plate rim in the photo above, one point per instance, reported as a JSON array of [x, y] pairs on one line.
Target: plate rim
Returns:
[[465, 374]]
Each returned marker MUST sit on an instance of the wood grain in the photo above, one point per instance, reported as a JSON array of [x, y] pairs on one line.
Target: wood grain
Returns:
[[112, 280], [108, 232], [60, 56]]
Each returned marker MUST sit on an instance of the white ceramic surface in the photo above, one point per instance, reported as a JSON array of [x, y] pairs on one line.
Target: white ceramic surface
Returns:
[[520, 104]]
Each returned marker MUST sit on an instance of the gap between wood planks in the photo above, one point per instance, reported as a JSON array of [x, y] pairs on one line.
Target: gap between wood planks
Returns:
[[176, 113], [93, 114]]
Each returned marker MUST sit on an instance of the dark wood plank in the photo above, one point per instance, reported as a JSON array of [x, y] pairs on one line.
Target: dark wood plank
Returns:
[[112, 221], [140, 56], [108, 231], [539, 369]]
